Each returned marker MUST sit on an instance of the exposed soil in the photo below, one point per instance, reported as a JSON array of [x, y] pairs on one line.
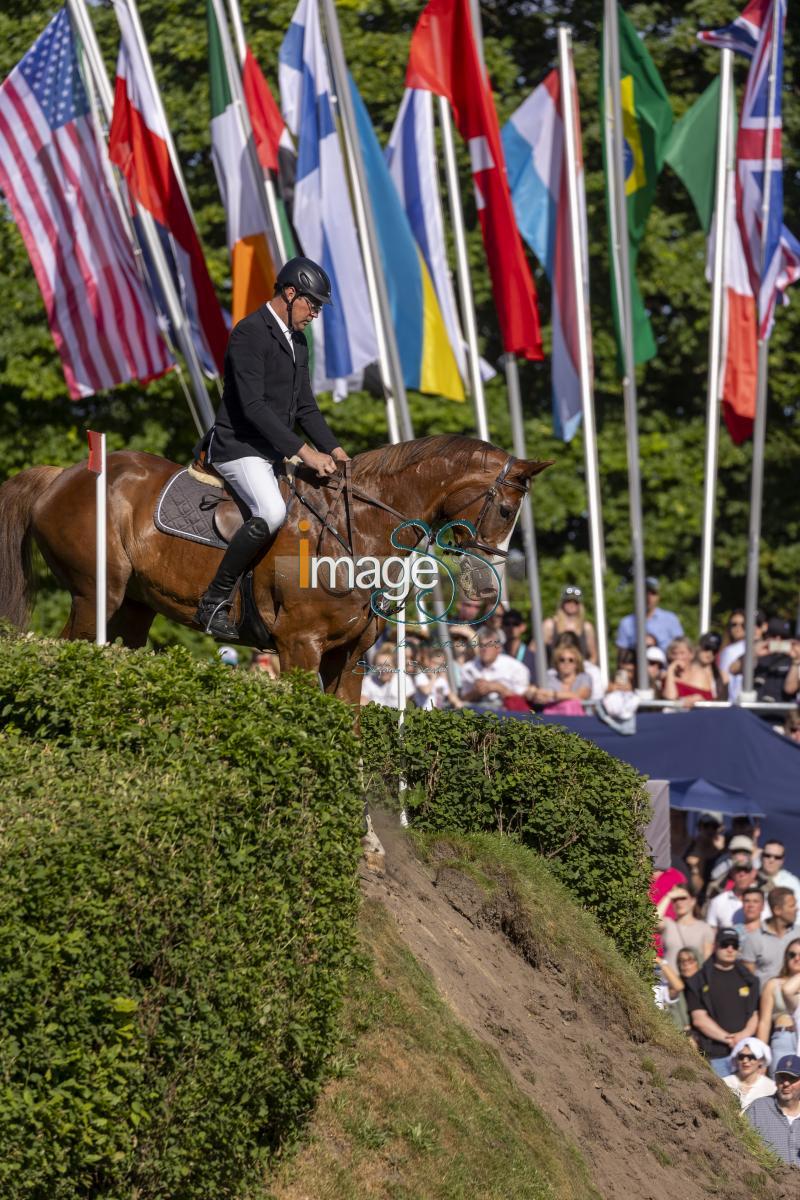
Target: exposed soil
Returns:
[[645, 1132]]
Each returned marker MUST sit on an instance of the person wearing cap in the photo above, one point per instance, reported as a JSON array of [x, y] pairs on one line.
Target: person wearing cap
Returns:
[[267, 391], [763, 951], [750, 1059], [570, 618], [726, 906], [775, 1117], [722, 999], [656, 668], [741, 849], [663, 624]]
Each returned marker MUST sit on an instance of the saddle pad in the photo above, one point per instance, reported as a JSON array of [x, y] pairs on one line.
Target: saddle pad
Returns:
[[186, 508]]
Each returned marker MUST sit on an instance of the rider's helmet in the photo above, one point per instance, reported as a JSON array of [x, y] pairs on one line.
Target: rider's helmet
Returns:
[[307, 277]]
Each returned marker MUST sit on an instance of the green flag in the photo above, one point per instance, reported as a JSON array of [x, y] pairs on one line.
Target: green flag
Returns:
[[646, 123], [692, 152]]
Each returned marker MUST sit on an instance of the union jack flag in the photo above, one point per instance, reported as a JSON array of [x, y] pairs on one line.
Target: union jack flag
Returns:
[[773, 254]]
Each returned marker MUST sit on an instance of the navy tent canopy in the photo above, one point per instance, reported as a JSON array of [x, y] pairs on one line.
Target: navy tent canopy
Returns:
[[730, 746], [704, 795]]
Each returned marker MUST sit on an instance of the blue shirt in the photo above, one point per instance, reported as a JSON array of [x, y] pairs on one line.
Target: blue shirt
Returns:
[[663, 624]]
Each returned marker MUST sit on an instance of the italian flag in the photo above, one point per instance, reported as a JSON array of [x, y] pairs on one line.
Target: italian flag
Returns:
[[252, 270]]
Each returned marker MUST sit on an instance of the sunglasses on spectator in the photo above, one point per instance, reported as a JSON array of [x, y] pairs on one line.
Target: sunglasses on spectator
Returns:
[[728, 944], [793, 954], [766, 854], [567, 660], [746, 1058]]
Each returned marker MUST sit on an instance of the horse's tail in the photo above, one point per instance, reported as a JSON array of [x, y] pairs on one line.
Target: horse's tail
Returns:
[[18, 495]]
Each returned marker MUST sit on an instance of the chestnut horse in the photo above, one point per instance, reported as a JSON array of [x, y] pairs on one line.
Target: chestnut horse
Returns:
[[433, 479]]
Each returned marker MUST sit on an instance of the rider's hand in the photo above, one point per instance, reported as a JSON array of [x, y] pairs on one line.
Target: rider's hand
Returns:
[[323, 464], [340, 455]]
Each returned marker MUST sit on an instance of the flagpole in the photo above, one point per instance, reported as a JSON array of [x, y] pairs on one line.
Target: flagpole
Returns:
[[462, 270], [101, 544], [760, 425], [594, 502], [722, 217], [268, 184], [620, 250], [394, 382], [201, 410]]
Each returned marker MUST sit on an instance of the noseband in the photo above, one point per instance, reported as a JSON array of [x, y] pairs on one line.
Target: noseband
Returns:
[[488, 500]]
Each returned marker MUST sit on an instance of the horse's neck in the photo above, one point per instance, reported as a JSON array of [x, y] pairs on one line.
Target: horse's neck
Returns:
[[410, 493]]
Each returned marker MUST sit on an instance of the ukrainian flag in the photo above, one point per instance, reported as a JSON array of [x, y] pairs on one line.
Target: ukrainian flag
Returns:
[[427, 357]]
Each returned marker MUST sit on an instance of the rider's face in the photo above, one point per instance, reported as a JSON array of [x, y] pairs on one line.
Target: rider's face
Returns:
[[304, 309]]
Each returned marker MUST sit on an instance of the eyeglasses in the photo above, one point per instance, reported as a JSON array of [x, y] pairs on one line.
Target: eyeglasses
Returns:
[[794, 954], [787, 1079], [728, 946], [746, 1058], [314, 306], [779, 857]]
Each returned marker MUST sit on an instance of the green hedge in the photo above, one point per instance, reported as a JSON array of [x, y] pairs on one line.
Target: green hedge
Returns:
[[177, 903], [562, 796]]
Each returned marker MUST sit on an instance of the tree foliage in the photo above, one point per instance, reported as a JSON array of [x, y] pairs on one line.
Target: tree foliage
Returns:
[[40, 424]]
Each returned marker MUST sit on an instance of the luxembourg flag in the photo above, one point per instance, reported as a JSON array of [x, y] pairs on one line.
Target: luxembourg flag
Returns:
[[533, 142], [137, 144], [344, 335]]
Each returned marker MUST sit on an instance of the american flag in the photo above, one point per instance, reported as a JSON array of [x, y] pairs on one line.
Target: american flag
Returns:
[[52, 172], [773, 254]]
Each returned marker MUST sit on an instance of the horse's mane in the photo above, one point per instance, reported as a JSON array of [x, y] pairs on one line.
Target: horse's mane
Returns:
[[457, 448]]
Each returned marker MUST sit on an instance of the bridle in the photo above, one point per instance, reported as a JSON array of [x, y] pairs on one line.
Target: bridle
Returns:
[[343, 487]]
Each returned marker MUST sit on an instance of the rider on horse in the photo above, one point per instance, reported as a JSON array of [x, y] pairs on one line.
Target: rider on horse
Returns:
[[267, 389]]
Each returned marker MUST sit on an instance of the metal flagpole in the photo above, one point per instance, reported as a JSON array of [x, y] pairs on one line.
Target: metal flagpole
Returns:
[[202, 411], [371, 246], [721, 218], [97, 465], [279, 247], [620, 251], [462, 270], [760, 425], [596, 544]]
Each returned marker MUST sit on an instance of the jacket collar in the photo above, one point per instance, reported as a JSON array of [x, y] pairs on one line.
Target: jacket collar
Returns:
[[275, 329]]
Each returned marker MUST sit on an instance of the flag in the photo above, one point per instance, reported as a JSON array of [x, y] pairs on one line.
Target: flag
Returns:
[[53, 174], [444, 59], [95, 462], [772, 254], [692, 153], [646, 123], [533, 141], [425, 353], [274, 145], [344, 334], [252, 269], [137, 143]]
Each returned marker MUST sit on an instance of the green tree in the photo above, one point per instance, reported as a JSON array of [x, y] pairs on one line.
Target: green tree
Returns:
[[40, 424]]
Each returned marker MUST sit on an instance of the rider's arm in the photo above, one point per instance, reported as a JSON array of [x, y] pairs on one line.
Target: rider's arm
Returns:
[[249, 364]]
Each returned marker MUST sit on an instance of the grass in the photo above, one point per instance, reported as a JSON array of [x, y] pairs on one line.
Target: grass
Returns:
[[422, 1110]]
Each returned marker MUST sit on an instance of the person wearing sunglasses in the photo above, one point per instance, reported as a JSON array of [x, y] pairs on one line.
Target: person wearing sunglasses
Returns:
[[750, 1061], [775, 1117], [777, 1010], [773, 868], [267, 391], [570, 617], [566, 685], [722, 999]]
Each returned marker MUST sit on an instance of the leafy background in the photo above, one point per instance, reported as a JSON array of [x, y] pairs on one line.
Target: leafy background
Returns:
[[39, 424]]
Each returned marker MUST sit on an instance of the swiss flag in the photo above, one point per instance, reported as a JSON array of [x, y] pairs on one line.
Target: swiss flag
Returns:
[[444, 60]]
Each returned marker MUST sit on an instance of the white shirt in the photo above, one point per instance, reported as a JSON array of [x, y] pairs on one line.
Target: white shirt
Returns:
[[385, 690], [724, 910], [762, 1087], [287, 333], [504, 669], [785, 878]]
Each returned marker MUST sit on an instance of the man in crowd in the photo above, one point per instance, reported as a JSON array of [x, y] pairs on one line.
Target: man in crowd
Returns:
[[663, 624], [740, 850], [776, 1117], [726, 906], [492, 677], [773, 858], [722, 999], [762, 951], [752, 911]]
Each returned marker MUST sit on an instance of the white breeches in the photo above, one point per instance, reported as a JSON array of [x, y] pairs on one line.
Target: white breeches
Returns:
[[253, 480]]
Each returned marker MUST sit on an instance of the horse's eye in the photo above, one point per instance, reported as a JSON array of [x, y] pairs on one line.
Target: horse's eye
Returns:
[[505, 511]]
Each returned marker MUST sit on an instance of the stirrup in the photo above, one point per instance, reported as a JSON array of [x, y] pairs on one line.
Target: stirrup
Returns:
[[213, 619]]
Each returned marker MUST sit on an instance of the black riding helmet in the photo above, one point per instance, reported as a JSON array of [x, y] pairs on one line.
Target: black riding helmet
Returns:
[[307, 277]]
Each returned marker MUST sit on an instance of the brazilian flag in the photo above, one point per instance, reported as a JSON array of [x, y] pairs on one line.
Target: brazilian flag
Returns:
[[646, 125]]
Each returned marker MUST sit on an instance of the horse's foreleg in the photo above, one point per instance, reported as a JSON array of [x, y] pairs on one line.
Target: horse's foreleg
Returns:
[[132, 623], [82, 620], [302, 653]]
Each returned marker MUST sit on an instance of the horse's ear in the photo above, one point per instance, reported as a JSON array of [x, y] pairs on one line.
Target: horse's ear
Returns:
[[526, 468]]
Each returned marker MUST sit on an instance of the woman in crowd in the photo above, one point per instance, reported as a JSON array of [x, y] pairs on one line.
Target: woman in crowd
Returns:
[[750, 1059], [686, 931], [570, 618], [566, 686], [671, 993], [694, 676], [779, 999], [380, 684]]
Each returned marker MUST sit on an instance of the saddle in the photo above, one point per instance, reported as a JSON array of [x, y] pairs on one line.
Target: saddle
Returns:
[[195, 504]]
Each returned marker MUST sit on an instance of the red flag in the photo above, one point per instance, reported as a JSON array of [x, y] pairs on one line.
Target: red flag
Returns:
[[95, 440], [444, 59], [265, 116]]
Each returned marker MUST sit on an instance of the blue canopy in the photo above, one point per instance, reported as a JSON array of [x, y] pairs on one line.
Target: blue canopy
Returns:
[[703, 795], [729, 746]]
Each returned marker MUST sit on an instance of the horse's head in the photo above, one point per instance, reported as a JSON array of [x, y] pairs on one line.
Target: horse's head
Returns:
[[489, 495]]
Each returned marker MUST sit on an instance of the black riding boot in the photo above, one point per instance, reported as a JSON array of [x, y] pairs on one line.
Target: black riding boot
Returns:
[[212, 613]]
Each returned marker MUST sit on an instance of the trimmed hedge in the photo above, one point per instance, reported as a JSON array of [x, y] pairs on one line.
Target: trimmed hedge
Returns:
[[583, 810], [177, 907]]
